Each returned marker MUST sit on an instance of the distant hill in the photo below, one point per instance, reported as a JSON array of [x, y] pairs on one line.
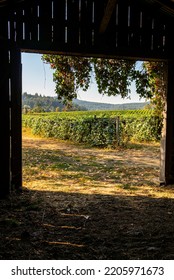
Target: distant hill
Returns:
[[46, 103], [93, 106], [50, 104]]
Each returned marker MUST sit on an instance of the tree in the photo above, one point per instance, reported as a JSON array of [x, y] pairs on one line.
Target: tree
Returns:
[[38, 109], [156, 74], [113, 77], [26, 109], [71, 73]]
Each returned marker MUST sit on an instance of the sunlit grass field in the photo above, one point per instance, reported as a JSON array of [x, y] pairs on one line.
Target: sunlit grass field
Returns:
[[49, 164]]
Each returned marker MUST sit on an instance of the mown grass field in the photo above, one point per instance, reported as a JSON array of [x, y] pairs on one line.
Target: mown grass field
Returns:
[[70, 166]]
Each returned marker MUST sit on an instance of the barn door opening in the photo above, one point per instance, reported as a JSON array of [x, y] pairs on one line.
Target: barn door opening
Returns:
[[42, 75]]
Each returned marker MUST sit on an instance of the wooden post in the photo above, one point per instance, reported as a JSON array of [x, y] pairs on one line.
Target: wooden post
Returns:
[[16, 120], [10, 112], [117, 130], [167, 140], [5, 171], [4, 123]]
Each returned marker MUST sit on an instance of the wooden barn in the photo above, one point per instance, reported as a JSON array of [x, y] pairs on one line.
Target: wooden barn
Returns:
[[141, 30]]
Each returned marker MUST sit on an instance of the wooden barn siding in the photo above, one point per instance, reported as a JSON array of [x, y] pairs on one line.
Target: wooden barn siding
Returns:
[[66, 26]]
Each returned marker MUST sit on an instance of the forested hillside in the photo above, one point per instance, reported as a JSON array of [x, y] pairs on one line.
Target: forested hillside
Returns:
[[39, 103], [93, 106]]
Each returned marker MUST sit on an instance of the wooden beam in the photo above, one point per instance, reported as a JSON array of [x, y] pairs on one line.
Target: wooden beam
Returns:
[[166, 7], [4, 110], [4, 123], [107, 15], [167, 141], [9, 2], [16, 118]]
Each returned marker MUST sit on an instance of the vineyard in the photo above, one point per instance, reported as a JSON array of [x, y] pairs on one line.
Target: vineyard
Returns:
[[97, 128]]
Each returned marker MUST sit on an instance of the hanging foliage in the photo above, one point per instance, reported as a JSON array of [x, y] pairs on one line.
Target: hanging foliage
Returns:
[[156, 73], [71, 74], [113, 77]]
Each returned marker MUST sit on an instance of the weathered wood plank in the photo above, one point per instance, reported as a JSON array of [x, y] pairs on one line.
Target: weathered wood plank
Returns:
[[73, 26], [16, 119], [88, 19], [167, 144], [59, 23], [122, 27], [107, 15], [135, 26], [4, 111], [45, 21], [72, 18]]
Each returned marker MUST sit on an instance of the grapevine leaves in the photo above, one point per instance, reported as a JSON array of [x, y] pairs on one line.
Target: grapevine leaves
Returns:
[[113, 76], [70, 75]]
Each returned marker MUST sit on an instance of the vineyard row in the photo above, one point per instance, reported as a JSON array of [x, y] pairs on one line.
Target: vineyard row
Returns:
[[108, 128]]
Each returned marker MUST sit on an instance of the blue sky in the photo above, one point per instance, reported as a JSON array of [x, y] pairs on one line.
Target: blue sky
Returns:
[[37, 77]]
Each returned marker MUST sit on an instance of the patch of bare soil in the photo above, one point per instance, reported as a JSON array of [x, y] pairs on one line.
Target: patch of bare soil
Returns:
[[87, 203]]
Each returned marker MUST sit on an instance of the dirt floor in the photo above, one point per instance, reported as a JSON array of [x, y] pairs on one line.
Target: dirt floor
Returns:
[[83, 203]]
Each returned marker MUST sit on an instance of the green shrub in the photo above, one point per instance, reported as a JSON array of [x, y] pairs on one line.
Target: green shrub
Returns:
[[97, 129]]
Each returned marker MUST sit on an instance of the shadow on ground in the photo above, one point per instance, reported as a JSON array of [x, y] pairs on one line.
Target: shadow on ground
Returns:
[[85, 226]]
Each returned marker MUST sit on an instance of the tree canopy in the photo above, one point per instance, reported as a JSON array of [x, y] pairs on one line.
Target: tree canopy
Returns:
[[113, 77]]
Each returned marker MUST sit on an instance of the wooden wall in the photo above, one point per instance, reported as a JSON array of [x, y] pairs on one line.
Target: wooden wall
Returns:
[[134, 29]]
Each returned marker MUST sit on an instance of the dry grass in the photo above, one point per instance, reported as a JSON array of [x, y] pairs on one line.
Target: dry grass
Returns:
[[51, 165]]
